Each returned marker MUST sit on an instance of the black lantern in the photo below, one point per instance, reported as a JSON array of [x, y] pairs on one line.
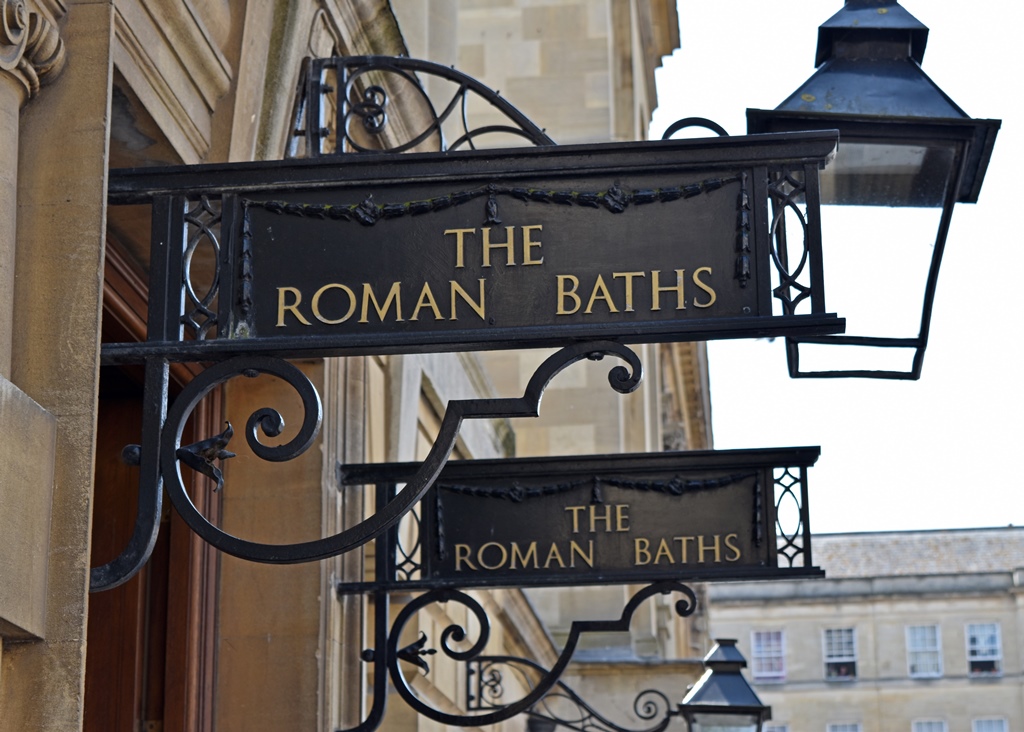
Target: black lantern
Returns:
[[903, 143], [722, 700]]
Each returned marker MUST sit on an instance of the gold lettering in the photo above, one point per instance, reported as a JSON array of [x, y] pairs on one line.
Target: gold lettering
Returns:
[[315, 303], [716, 548], [563, 293], [394, 294], [601, 287], [683, 542], [575, 549], [459, 242], [628, 276], [478, 307], [641, 550], [621, 517], [729, 543], [704, 286], [529, 243], [426, 298], [508, 245], [607, 518], [524, 559], [657, 289], [663, 551], [575, 517], [554, 555], [294, 307], [503, 552], [462, 554]]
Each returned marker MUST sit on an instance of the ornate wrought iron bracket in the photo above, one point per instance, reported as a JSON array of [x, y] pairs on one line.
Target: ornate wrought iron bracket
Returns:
[[456, 644], [561, 706], [160, 457], [344, 105]]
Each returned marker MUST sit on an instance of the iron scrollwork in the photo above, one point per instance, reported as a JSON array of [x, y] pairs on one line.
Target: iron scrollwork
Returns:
[[561, 706], [544, 685], [343, 107], [270, 423]]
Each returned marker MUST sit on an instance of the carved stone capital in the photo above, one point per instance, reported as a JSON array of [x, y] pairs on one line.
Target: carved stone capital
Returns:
[[13, 32], [31, 49]]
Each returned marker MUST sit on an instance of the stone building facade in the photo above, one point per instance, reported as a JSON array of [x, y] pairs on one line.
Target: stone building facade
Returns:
[[200, 641], [919, 631]]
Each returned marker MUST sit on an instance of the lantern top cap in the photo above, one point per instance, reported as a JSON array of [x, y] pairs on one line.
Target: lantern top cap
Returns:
[[722, 688], [869, 85], [865, 18], [725, 652]]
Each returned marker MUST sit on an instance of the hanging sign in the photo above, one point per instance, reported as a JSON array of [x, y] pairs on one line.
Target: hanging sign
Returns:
[[638, 242], [687, 516], [651, 245]]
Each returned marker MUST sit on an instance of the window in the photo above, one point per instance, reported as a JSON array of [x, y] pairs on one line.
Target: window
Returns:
[[989, 725], [768, 656], [844, 727], [840, 654], [924, 652], [929, 725], [984, 649], [776, 728]]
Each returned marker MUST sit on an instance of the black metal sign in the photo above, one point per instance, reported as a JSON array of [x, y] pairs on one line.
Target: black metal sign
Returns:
[[528, 247], [682, 516], [588, 254]]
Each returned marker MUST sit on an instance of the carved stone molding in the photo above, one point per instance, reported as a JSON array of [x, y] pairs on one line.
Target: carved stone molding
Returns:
[[172, 63], [31, 49]]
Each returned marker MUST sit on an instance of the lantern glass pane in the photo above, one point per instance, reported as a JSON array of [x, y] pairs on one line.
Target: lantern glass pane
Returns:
[[888, 174], [723, 722], [876, 264]]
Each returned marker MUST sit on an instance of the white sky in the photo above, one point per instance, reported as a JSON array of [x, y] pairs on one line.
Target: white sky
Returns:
[[942, 452]]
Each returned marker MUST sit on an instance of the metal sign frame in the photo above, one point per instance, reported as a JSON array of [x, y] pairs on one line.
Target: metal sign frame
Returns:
[[225, 208], [477, 509]]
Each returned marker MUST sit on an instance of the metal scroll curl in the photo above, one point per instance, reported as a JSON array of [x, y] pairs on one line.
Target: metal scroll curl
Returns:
[[548, 680], [562, 705], [344, 101], [201, 455]]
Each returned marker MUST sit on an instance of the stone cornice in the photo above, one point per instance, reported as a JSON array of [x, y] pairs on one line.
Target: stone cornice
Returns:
[[31, 49]]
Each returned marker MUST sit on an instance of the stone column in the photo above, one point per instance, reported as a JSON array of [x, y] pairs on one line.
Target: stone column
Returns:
[[31, 53], [30, 49], [13, 39]]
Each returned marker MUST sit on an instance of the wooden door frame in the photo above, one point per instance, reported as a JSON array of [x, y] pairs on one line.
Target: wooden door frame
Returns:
[[175, 602]]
